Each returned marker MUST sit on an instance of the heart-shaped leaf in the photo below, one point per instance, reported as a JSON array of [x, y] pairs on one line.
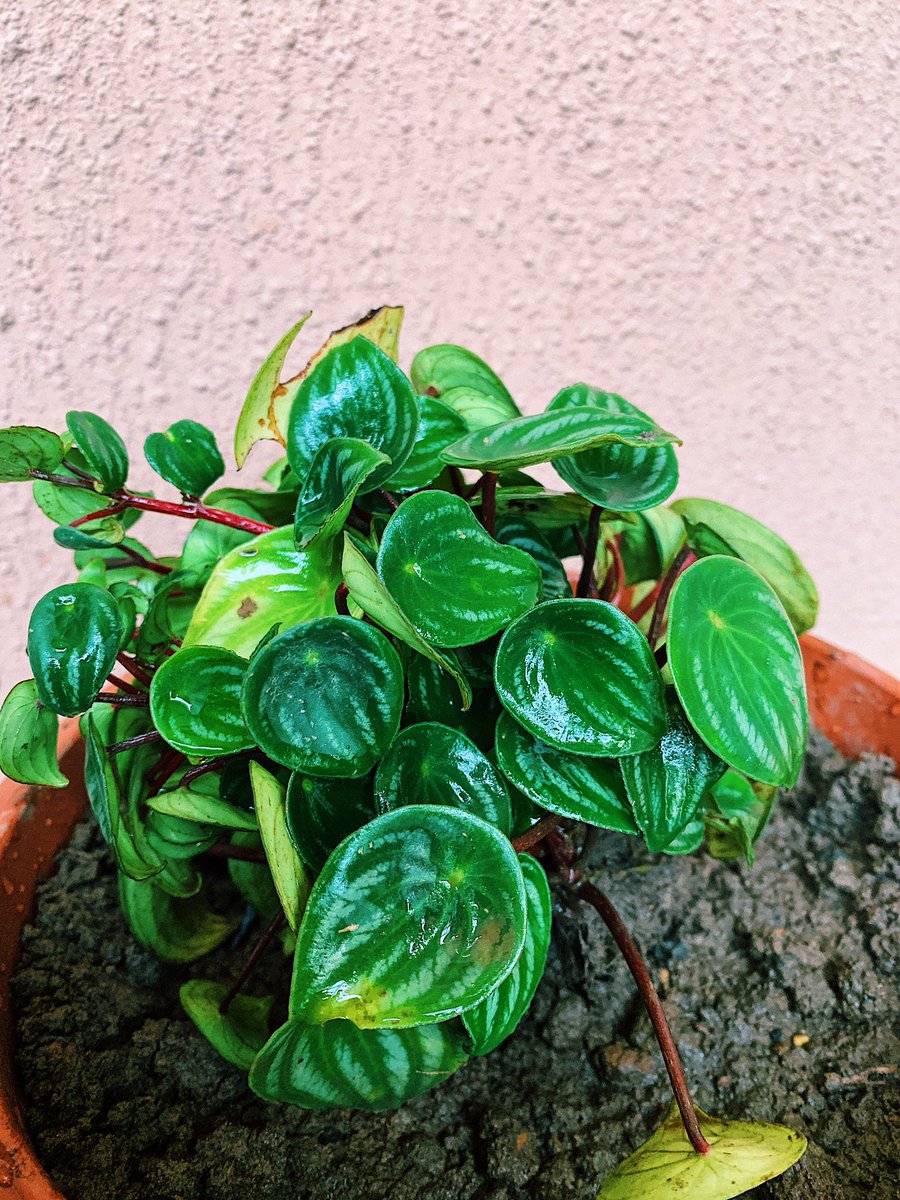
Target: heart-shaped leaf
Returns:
[[325, 697], [355, 391], [737, 669], [516, 531], [264, 582], [626, 478], [550, 435], [322, 812], [195, 700], [415, 917], [28, 737], [74, 635], [743, 1154], [453, 581], [438, 370], [666, 784], [176, 930], [186, 456], [239, 1033], [494, 1019], [715, 528], [579, 675], [260, 419], [340, 468], [27, 448], [197, 806], [439, 425], [432, 764], [339, 1066], [103, 449], [288, 873], [573, 785]]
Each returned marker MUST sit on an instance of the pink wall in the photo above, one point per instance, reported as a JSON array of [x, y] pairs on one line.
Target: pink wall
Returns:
[[694, 204]]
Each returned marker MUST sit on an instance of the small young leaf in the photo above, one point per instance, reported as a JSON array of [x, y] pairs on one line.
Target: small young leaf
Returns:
[[74, 635], [197, 806], [186, 456], [288, 873], [340, 468], [176, 930], [736, 818], [107, 533], [103, 449], [195, 700], [238, 1034], [516, 531], [438, 369], [28, 737], [438, 427], [322, 812], [27, 448], [134, 856]]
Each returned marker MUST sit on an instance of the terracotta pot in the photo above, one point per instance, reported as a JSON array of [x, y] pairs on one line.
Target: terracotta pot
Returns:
[[852, 702]]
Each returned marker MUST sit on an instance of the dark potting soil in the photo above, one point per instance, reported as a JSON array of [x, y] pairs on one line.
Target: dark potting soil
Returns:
[[781, 982]]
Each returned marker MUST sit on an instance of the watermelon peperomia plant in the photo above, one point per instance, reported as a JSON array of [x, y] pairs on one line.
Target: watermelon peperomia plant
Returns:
[[366, 692]]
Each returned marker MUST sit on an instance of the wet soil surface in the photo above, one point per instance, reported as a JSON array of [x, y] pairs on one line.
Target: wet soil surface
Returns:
[[781, 981]]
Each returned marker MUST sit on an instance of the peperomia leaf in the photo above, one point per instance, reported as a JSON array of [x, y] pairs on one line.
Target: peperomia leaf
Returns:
[[743, 1154], [198, 806], [415, 917], [494, 1019], [28, 737], [103, 449], [735, 818], [196, 701], [477, 409], [666, 784], [172, 603], [186, 456], [579, 675], [108, 533], [325, 697], [339, 469], [432, 695], [649, 545], [438, 427], [516, 531], [439, 369], [432, 764], [573, 785], [452, 580], [260, 418], [339, 1066], [252, 879], [322, 812], [288, 874], [238, 1034], [208, 541], [737, 669], [27, 448], [177, 930], [74, 635]]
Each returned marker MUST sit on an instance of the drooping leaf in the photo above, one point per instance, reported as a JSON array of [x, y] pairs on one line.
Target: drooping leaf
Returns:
[[325, 697], [432, 695], [573, 785], [102, 775], [28, 737], [74, 635], [337, 1065], [173, 838], [108, 533], [414, 918], [27, 448], [440, 369], [264, 582], [743, 1154], [438, 427], [494, 1019], [208, 541], [736, 818], [737, 669], [516, 531], [339, 469], [579, 675], [238, 1034], [433, 764], [103, 448], [176, 930], [288, 873], [197, 806], [260, 418], [452, 580], [186, 455], [322, 812], [196, 701]]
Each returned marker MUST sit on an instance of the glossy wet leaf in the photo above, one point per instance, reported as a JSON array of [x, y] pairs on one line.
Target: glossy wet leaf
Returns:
[[737, 668], [337, 1065], [28, 737], [579, 675], [197, 806], [264, 582], [288, 873], [573, 785], [27, 448], [339, 469], [666, 785], [496, 1017], [414, 918], [717, 528], [440, 369], [439, 425], [743, 1155], [103, 449], [452, 580], [430, 763], [195, 700], [322, 812], [432, 695], [518, 532], [325, 697], [174, 929], [208, 541], [238, 1034], [186, 455], [74, 635]]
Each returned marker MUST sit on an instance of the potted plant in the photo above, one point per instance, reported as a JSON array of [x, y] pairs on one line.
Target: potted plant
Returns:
[[369, 685]]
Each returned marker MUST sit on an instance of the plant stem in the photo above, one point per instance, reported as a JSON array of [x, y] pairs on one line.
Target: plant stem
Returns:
[[536, 833], [642, 607], [139, 739], [141, 561], [132, 666], [193, 510], [128, 688], [457, 481], [258, 951], [586, 579], [614, 582], [390, 500], [489, 502], [682, 559], [340, 599], [163, 770], [139, 701], [211, 764], [474, 489]]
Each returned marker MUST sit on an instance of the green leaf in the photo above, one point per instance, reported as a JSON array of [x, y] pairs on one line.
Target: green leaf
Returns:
[[339, 469], [494, 1019], [339, 1066], [550, 435], [477, 409], [254, 880], [28, 737], [573, 785], [176, 930], [438, 427], [439, 369], [549, 512], [687, 840], [173, 838], [186, 456], [171, 607], [649, 545], [322, 812], [264, 582], [27, 448], [743, 1154], [719, 529], [325, 697], [516, 531], [109, 533], [288, 873], [259, 419], [415, 917], [134, 857], [452, 580], [103, 449], [355, 391], [433, 696], [238, 1034], [208, 541], [432, 764], [737, 669], [197, 806], [736, 818], [626, 478], [666, 784], [195, 700], [580, 675], [74, 635]]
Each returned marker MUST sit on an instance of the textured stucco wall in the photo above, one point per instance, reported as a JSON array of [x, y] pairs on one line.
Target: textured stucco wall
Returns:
[[694, 204]]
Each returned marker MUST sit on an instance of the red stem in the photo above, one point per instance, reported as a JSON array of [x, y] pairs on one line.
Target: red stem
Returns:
[[138, 701], [258, 951], [193, 510], [489, 502], [682, 560], [585, 583], [134, 668], [139, 739], [614, 583], [128, 688], [642, 607], [537, 833]]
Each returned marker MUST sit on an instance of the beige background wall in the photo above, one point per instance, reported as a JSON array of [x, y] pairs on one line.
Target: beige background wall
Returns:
[[692, 203]]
